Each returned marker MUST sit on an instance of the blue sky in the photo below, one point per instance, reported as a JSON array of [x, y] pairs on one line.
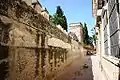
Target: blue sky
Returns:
[[74, 10]]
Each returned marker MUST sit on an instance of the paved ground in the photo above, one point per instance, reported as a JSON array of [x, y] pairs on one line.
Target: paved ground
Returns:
[[98, 75], [75, 71]]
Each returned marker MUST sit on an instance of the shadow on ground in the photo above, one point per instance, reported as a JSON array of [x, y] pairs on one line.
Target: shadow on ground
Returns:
[[76, 71]]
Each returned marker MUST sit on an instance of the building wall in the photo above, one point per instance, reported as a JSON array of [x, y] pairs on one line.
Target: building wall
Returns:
[[45, 14], [31, 48], [110, 40], [28, 2], [38, 8], [112, 46], [114, 29], [78, 30]]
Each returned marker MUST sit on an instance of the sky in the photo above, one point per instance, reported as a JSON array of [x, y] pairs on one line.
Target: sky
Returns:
[[74, 10]]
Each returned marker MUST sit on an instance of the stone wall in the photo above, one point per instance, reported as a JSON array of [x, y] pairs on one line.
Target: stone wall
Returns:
[[30, 47]]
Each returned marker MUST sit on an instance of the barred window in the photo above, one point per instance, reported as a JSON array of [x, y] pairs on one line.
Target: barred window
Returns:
[[117, 2], [100, 4], [114, 32]]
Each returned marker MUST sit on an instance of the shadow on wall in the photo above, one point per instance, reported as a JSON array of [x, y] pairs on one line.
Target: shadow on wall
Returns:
[[77, 71], [4, 64], [119, 71]]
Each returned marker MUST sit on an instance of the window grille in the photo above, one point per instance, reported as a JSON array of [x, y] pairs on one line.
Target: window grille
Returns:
[[113, 8]]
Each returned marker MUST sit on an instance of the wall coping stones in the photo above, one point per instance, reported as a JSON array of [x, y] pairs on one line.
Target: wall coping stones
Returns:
[[20, 11]]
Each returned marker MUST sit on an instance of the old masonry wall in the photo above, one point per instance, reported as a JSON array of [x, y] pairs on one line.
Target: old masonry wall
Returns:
[[30, 47]]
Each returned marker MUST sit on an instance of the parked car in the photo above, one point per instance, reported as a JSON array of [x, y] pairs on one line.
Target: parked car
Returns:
[[91, 52]]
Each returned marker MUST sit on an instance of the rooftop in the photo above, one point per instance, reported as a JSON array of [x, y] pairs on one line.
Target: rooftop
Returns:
[[75, 24]]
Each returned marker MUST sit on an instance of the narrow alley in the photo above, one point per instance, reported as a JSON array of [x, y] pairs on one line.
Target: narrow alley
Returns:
[[77, 71], [78, 42]]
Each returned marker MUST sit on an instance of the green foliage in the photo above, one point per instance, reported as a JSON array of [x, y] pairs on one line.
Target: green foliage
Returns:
[[94, 36], [90, 40], [59, 18], [86, 36], [65, 23], [59, 11]]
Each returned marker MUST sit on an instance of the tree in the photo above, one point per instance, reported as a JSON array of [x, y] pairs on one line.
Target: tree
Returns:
[[86, 36], [59, 18], [94, 36], [59, 11], [65, 23], [90, 40]]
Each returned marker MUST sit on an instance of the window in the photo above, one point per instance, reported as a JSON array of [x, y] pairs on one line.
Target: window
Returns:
[[106, 18], [113, 27], [100, 4], [117, 2]]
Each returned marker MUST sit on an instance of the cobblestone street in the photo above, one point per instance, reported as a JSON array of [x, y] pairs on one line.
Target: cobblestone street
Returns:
[[76, 71]]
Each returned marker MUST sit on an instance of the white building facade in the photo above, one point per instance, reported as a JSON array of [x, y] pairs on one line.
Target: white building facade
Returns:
[[107, 24], [77, 29]]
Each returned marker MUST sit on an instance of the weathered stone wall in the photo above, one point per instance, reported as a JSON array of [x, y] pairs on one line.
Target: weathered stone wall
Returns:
[[30, 47]]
